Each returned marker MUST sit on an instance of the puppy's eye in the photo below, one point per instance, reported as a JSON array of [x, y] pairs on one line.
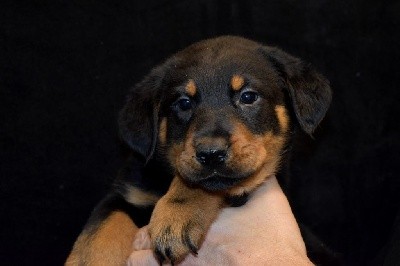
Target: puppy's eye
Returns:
[[248, 97], [184, 104]]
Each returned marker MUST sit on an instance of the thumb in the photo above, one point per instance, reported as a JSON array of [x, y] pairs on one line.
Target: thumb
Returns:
[[142, 258], [142, 239]]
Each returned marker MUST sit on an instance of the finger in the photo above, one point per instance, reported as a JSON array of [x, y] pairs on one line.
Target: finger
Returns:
[[142, 258], [142, 239]]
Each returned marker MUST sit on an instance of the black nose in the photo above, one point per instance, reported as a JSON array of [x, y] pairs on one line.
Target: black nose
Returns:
[[211, 157]]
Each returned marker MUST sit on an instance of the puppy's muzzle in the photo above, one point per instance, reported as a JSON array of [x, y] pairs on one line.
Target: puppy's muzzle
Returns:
[[214, 155]]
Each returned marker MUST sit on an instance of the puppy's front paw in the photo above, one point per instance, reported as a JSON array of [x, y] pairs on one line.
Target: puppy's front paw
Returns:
[[174, 235], [181, 219]]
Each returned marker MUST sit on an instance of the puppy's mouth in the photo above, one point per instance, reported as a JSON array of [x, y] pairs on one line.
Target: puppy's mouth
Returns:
[[217, 181]]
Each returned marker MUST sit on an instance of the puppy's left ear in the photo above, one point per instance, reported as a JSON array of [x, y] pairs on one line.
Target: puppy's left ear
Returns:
[[309, 91], [138, 119]]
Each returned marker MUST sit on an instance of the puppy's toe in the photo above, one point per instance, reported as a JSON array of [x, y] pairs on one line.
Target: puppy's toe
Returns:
[[174, 242]]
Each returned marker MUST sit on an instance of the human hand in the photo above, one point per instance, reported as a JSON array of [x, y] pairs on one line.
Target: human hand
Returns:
[[261, 232]]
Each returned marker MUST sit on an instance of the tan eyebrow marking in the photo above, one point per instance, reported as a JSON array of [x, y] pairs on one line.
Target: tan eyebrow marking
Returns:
[[191, 88], [237, 82]]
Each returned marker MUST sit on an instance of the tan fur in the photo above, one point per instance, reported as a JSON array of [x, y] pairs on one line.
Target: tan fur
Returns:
[[283, 118], [191, 88], [183, 155], [260, 152], [138, 197], [111, 244], [237, 82], [248, 151], [162, 135], [183, 211]]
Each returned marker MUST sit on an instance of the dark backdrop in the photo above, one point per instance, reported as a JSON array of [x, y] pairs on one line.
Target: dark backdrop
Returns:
[[65, 67]]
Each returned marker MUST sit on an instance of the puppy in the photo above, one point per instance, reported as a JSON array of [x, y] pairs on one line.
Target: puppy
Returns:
[[205, 128]]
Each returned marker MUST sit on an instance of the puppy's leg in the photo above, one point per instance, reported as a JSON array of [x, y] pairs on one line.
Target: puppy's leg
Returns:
[[108, 235], [181, 219]]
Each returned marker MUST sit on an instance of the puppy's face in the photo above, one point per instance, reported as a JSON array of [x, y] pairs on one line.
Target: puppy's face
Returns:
[[223, 118], [219, 110]]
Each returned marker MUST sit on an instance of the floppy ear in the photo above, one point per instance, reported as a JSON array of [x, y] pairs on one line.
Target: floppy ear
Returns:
[[138, 119], [309, 91]]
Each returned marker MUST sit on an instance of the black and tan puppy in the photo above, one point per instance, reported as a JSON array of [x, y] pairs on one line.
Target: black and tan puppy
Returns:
[[206, 128]]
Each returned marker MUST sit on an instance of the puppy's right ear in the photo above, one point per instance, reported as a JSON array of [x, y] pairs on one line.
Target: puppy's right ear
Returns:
[[138, 119], [309, 91]]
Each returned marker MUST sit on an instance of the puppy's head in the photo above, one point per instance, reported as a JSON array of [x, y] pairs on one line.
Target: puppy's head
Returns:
[[218, 113]]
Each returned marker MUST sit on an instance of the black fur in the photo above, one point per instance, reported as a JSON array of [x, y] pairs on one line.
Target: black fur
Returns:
[[309, 91], [142, 108], [237, 201]]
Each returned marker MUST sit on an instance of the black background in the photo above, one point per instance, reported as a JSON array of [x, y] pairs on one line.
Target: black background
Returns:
[[65, 67]]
